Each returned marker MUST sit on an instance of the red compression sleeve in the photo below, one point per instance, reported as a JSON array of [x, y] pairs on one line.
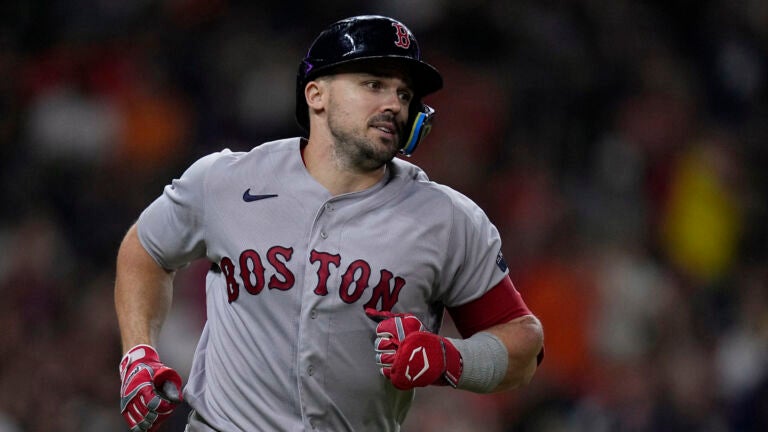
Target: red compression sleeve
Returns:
[[500, 304]]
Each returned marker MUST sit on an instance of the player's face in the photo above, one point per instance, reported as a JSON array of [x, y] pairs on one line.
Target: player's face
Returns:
[[367, 114]]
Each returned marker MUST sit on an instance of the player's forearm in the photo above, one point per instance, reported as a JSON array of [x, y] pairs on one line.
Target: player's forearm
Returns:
[[523, 338], [143, 292]]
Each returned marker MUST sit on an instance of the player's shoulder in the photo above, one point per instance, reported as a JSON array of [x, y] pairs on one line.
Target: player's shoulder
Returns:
[[282, 146], [227, 160], [431, 191]]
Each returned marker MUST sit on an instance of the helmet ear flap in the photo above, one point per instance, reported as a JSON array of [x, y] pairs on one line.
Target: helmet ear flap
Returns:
[[302, 77], [421, 124]]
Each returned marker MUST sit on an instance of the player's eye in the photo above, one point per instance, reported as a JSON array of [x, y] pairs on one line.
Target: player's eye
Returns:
[[373, 85], [405, 96]]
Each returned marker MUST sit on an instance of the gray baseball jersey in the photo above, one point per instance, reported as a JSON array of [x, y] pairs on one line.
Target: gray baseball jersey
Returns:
[[287, 345]]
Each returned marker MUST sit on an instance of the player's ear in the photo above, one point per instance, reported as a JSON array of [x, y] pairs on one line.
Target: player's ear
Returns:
[[314, 93]]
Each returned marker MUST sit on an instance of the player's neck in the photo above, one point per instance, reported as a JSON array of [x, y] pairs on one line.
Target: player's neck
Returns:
[[331, 175]]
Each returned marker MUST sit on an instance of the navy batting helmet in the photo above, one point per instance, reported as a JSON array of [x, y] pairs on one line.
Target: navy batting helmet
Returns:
[[371, 37]]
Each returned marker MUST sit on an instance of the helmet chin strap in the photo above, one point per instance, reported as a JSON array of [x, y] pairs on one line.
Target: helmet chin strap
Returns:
[[422, 124]]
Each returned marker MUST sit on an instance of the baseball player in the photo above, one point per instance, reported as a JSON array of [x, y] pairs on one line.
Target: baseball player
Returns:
[[332, 263]]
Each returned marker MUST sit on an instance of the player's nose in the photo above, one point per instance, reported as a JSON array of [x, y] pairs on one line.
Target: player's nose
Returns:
[[391, 101]]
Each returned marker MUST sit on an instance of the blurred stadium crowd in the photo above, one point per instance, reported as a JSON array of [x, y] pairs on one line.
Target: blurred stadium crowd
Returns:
[[619, 146]]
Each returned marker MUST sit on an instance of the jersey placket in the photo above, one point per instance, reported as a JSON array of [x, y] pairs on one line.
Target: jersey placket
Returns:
[[313, 322]]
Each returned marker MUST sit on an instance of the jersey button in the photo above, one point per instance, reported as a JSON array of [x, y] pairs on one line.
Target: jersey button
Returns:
[[313, 314], [329, 207], [323, 234], [311, 370]]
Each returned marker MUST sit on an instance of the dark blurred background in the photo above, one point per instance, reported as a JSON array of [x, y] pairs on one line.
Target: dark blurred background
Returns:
[[619, 146]]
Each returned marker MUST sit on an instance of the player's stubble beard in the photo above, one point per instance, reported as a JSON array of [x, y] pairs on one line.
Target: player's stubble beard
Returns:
[[354, 150]]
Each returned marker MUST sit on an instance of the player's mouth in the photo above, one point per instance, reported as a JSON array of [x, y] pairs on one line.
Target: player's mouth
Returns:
[[387, 128]]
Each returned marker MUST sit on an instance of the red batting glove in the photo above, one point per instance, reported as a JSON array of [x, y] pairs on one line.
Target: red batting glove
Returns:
[[392, 329], [410, 356], [150, 390]]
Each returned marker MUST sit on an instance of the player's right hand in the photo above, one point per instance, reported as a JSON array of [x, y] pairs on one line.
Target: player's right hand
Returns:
[[150, 390]]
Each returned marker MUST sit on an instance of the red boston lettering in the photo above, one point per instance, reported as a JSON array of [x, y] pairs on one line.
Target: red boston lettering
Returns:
[[278, 256], [358, 273], [228, 269], [324, 271], [250, 265], [355, 279]]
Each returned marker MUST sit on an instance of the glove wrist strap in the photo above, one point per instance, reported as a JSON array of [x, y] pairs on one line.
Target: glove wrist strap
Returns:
[[453, 363], [485, 361], [139, 346], [136, 353]]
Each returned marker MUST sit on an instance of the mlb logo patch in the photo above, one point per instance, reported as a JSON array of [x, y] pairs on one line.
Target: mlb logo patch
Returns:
[[500, 262]]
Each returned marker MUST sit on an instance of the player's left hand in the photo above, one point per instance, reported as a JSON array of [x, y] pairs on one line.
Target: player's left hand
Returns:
[[409, 356], [150, 390], [390, 332]]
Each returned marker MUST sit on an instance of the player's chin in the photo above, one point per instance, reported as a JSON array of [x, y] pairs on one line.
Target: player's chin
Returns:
[[391, 148], [381, 152], [390, 140]]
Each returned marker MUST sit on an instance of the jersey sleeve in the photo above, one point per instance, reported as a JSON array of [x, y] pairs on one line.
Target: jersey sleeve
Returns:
[[474, 263], [172, 228]]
